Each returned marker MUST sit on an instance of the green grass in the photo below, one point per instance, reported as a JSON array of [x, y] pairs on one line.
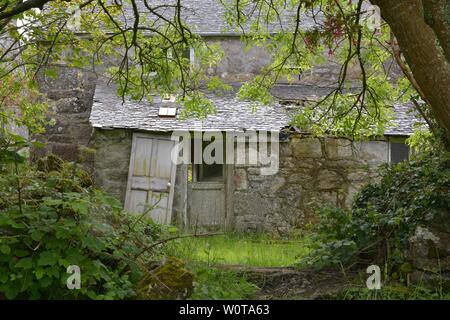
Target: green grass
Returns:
[[393, 292], [251, 250], [216, 284], [202, 254]]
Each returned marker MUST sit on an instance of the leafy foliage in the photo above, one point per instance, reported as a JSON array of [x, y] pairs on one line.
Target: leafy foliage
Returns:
[[384, 215], [145, 50], [346, 34], [53, 218]]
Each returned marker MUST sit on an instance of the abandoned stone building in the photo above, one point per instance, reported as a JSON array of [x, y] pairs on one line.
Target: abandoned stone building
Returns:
[[132, 143]]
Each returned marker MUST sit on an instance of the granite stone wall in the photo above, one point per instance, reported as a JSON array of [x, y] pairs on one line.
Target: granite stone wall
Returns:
[[313, 172], [242, 64], [70, 96], [111, 161], [238, 64]]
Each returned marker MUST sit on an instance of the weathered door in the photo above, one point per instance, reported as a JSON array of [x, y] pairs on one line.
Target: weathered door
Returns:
[[151, 177], [208, 197], [207, 205]]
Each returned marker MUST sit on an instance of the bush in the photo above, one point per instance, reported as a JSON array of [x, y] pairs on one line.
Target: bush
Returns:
[[384, 215], [52, 218]]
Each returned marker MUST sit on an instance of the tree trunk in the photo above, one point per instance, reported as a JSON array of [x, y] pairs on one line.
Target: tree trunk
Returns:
[[420, 47]]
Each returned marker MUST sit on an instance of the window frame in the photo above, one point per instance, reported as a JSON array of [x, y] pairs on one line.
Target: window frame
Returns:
[[398, 140], [197, 168]]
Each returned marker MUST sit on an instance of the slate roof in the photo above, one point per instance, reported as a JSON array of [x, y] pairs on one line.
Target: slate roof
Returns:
[[404, 121], [206, 17], [231, 114], [404, 117]]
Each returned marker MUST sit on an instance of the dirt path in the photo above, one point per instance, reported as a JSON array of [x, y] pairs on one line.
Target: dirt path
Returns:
[[291, 283]]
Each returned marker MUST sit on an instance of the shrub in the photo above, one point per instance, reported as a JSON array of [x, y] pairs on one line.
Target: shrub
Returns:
[[52, 218], [384, 215]]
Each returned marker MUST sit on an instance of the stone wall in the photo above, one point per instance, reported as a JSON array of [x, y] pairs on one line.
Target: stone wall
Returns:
[[112, 159], [429, 253], [312, 172], [238, 64], [242, 64], [70, 96]]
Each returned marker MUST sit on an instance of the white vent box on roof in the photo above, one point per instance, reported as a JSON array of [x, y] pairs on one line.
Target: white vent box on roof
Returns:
[[167, 112]]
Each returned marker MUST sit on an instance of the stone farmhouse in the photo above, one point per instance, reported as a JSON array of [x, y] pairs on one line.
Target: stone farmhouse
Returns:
[[133, 145]]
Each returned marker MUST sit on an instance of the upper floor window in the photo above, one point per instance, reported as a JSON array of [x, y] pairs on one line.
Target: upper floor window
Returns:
[[189, 54], [74, 22], [398, 152]]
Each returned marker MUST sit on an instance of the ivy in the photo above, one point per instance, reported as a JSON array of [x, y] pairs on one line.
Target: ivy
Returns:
[[384, 216]]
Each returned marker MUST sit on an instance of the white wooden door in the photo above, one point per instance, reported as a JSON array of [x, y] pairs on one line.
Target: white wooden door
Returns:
[[151, 177]]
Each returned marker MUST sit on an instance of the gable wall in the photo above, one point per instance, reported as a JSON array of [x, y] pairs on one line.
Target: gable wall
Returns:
[[70, 97], [238, 64], [241, 64]]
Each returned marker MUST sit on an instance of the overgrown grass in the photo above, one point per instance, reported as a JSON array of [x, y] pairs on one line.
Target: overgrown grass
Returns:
[[218, 284], [203, 254], [393, 292], [236, 249]]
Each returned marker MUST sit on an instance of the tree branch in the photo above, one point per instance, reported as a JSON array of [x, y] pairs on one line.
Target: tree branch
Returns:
[[21, 7], [437, 16]]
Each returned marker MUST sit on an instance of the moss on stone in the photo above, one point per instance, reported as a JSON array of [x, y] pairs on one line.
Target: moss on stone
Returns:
[[169, 281]]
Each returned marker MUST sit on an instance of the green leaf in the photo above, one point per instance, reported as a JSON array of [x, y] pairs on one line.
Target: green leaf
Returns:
[[25, 263], [47, 258], [52, 73], [3, 277], [80, 207], [5, 249], [45, 281], [20, 253], [63, 262], [39, 273], [172, 229], [36, 235], [11, 292]]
